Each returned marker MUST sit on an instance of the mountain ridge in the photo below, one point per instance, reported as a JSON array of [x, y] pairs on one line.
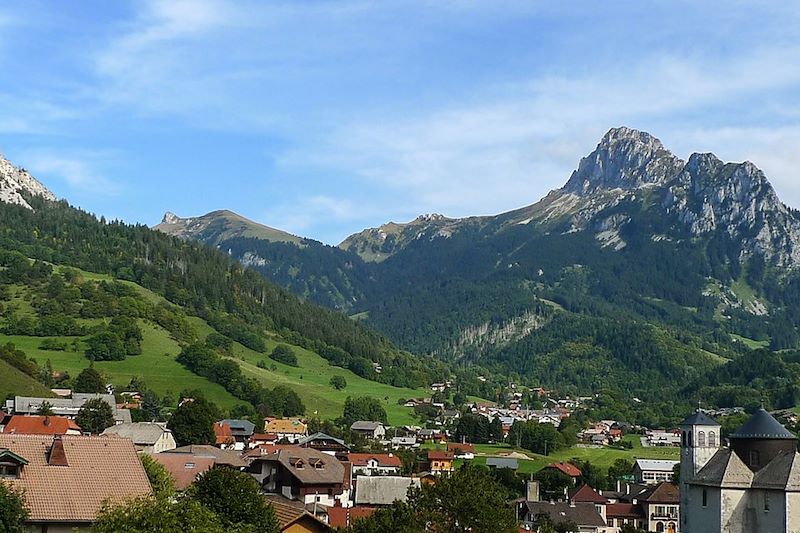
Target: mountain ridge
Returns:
[[15, 182]]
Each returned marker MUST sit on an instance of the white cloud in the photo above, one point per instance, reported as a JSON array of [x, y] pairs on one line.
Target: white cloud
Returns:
[[78, 173]]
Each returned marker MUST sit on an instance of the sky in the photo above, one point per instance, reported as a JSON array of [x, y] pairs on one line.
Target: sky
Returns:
[[323, 118]]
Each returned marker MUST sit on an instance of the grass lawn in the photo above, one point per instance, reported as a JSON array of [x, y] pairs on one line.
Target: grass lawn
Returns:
[[750, 343], [601, 457]]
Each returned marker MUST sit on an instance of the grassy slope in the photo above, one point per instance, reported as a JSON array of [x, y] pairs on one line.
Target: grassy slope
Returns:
[[15, 383], [158, 368]]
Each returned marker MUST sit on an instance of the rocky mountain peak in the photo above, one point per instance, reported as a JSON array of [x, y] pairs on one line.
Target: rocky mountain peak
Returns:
[[170, 218], [15, 180], [625, 159]]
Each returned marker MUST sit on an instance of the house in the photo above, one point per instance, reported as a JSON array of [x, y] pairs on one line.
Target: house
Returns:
[[430, 435], [258, 439], [41, 425], [184, 467], [750, 485], [343, 517], [223, 436], [221, 457], [291, 429], [369, 429], [461, 450], [586, 494], [561, 514], [661, 508], [404, 442], [371, 464], [652, 471], [568, 469], [302, 474], [69, 407], [621, 514], [660, 437], [148, 437], [294, 518], [440, 462], [383, 490], [240, 431], [326, 444], [502, 462], [68, 478]]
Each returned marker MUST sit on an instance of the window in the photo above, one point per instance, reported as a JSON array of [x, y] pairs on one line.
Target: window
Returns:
[[755, 458], [9, 470], [660, 527], [712, 439], [690, 439], [701, 439], [705, 498], [683, 438], [766, 502]]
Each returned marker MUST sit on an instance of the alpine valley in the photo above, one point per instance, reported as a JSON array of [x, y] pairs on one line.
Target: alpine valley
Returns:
[[644, 275]]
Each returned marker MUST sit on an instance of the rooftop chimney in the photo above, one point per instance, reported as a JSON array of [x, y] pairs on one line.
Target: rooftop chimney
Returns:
[[57, 456]]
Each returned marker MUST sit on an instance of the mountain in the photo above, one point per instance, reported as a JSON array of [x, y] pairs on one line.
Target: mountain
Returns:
[[643, 268], [221, 225], [16, 184]]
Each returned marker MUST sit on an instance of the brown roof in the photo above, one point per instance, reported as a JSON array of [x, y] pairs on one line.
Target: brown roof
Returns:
[[289, 514], [345, 516], [221, 457], [567, 468], [458, 447], [285, 425], [184, 467], [222, 433], [309, 466], [99, 469], [40, 425], [383, 459], [664, 493], [624, 510], [587, 494], [436, 455]]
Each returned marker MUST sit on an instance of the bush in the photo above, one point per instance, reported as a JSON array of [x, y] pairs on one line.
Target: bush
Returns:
[[338, 382], [53, 345], [284, 354]]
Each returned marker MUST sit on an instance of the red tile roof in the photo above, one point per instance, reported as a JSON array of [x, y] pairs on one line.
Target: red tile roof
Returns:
[[344, 516], [567, 468], [458, 447], [99, 469], [223, 434], [586, 494], [436, 455], [383, 459], [40, 425]]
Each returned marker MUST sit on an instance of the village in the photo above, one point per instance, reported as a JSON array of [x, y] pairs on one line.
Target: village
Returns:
[[318, 482]]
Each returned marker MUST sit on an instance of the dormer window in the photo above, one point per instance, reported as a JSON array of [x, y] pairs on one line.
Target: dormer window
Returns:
[[11, 464], [9, 470]]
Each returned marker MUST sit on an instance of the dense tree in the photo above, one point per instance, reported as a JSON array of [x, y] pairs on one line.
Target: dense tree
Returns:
[[89, 380], [338, 382], [105, 346], [362, 408], [161, 481], [13, 513], [621, 468], [193, 422], [94, 416], [158, 515], [284, 354], [236, 498]]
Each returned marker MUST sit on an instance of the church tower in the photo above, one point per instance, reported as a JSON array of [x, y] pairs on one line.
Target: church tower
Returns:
[[700, 440]]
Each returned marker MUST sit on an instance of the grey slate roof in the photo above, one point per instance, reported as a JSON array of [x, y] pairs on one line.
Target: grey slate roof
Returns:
[[383, 490], [725, 469], [582, 514], [69, 406], [782, 473], [142, 433], [502, 462], [320, 436], [240, 428], [365, 425], [699, 419], [762, 425]]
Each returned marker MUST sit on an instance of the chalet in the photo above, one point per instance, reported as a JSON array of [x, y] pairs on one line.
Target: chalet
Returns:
[[371, 464], [41, 425], [324, 443], [652, 471], [561, 515], [568, 469], [586, 494], [185, 467], [291, 429], [221, 457], [369, 429], [404, 442], [461, 450], [223, 436], [67, 479], [258, 439], [383, 490], [440, 462], [428, 435], [302, 474], [240, 431], [147, 437]]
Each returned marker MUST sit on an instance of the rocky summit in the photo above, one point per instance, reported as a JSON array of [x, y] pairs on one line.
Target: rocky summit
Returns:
[[16, 182]]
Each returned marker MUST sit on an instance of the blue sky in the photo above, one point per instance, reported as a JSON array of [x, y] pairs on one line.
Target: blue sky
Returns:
[[325, 117]]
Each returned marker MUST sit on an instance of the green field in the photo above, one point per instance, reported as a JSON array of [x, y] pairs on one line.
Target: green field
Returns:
[[162, 373], [14, 382], [601, 457]]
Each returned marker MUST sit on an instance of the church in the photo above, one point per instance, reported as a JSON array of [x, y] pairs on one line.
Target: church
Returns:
[[753, 485]]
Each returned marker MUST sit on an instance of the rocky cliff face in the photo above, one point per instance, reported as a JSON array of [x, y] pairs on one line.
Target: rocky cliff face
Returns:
[[15, 180]]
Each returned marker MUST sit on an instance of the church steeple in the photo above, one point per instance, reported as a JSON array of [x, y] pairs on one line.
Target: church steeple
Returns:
[[700, 440]]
